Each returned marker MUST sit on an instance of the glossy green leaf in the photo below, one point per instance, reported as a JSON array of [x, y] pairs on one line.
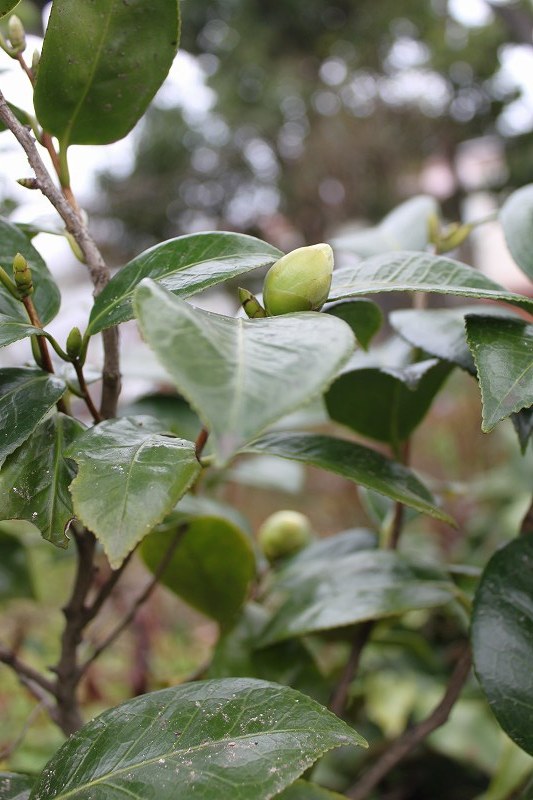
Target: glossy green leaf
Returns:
[[516, 216], [35, 478], [503, 353], [14, 328], [371, 584], [364, 317], [15, 786], [336, 546], [45, 297], [218, 740], [7, 5], [26, 396], [304, 790], [171, 410], [502, 638], [130, 476], [211, 568], [101, 64], [405, 228], [354, 462], [384, 404], [289, 663], [241, 375], [185, 266], [15, 575], [419, 272]]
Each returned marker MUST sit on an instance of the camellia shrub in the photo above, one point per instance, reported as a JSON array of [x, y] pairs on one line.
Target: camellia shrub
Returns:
[[121, 484]]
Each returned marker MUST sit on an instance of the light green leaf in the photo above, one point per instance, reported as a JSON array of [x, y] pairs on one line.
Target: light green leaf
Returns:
[[211, 568], [516, 216], [241, 375], [366, 585], [419, 272], [35, 478], [503, 353], [171, 410], [502, 638], [219, 740], [405, 228], [7, 5], [354, 462], [364, 317], [185, 266], [26, 396], [45, 297], [101, 64], [15, 575], [15, 786], [130, 476]]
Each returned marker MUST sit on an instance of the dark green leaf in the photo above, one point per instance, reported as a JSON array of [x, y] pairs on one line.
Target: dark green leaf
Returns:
[[7, 5], [130, 476], [35, 478], [503, 353], [15, 575], [211, 568], [523, 424], [371, 584], [364, 317], [383, 404], [101, 64], [218, 740], [303, 790], [516, 216], [14, 786], [336, 546], [241, 375], [185, 266], [174, 413], [14, 328], [26, 396], [45, 297], [354, 462], [405, 228], [502, 638], [419, 272]]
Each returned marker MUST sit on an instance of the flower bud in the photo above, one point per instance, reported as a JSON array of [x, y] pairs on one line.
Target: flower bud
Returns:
[[453, 236], [283, 534], [299, 281], [22, 276], [251, 304], [35, 59], [16, 33], [74, 343]]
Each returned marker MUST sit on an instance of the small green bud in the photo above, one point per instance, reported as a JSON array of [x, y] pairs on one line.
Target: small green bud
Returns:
[[16, 33], [22, 276], [300, 281], [283, 534], [74, 246], [251, 304], [35, 59], [28, 183], [74, 343], [453, 236]]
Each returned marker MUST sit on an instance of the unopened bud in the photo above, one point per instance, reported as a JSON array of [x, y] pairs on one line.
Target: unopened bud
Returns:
[[283, 534], [299, 281], [36, 57], [74, 343], [22, 276], [251, 304], [74, 246], [16, 33], [453, 237], [28, 183]]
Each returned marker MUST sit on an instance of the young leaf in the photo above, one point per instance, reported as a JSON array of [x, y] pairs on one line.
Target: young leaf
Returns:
[[14, 785], [419, 272], [35, 478], [219, 740], [7, 5], [130, 476], [211, 568], [383, 404], [101, 64], [502, 638], [26, 396], [364, 317], [354, 462], [516, 216], [371, 584], [185, 266], [241, 375], [503, 353], [15, 576], [45, 297]]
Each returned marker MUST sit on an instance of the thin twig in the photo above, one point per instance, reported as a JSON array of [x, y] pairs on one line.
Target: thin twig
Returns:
[[106, 589], [142, 598], [85, 391], [24, 670], [408, 741], [340, 696], [15, 744], [201, 442], [527, 523]]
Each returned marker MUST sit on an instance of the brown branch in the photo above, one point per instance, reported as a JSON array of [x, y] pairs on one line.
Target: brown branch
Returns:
[[201, 442], [141, 599], [106, 589], [23, 670], [408, 741], [85, 391], [340, 695]]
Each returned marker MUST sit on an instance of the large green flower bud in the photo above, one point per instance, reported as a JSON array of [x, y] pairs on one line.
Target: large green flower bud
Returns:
[[22, 276], [299, 281], [284, 533]]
